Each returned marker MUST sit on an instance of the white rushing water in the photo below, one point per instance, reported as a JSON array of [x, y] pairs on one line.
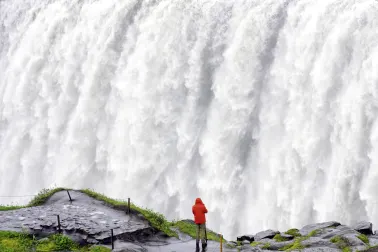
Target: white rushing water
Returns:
[[266, 109]]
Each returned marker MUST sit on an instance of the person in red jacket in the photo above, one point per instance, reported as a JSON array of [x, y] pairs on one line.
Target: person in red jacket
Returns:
[[199, 210]]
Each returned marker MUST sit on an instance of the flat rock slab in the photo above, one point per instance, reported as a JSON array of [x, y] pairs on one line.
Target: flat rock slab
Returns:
[[84, 215], [307, 229], [316, 242], [340, 230], [265, 234]]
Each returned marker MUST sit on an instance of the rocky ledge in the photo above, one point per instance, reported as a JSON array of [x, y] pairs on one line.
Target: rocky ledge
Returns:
[[90, 221]]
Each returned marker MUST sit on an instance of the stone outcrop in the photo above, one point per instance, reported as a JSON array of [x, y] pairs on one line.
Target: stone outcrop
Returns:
[[89, 221], [364, 227]]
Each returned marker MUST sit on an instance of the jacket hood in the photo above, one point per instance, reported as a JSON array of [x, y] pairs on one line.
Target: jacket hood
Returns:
[[199, 201]]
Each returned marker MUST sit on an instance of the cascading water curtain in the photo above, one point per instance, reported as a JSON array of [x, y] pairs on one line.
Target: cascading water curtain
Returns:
[[266, 109]]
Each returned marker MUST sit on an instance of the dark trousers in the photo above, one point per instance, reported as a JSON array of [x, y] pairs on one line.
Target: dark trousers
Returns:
[[201, 233]]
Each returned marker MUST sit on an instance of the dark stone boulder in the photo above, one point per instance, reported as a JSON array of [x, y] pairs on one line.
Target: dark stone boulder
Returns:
[[249, 238], [308, 228], [266, 234], [364, 227]]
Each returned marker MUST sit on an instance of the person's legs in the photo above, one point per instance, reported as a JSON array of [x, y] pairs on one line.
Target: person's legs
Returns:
[[203, 235], [198, 237]]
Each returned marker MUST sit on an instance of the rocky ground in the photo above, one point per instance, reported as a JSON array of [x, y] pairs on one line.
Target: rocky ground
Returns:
[[328, 236], [87, 220]]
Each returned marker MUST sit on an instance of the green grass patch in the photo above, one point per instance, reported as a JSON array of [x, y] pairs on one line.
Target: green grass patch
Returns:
[[279, 238], [255, 243], [294, 232], [191, 230], [363, 238], [22, 242], [8, 208]]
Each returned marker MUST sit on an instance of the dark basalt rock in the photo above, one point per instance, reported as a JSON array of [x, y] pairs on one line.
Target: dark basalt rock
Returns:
[[249, 238], [364, 227]]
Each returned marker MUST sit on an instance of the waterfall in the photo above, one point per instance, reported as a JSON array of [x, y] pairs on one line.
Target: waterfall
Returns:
[[266, 109]]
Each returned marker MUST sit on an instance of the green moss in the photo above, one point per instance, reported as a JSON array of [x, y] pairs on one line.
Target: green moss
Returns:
[[191, 230], [297, 244], [340, 242], [266, 246], [363, 238], [279, 238], [255, 243], [294, 232], [347, 249], [313, 233]]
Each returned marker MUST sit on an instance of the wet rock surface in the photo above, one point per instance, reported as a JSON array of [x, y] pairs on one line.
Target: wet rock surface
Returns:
[[85, 218]]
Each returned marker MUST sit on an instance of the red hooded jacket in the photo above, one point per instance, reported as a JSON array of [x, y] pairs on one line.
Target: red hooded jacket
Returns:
[[199, 211]]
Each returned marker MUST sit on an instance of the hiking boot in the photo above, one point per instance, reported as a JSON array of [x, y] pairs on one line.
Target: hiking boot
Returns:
[[197, 247], [204, 245]]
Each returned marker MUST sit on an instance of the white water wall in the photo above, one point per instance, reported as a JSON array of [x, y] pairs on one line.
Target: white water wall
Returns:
[[266, 109]]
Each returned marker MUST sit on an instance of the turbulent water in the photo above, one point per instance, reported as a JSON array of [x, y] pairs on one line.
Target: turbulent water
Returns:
[[266, 109]]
